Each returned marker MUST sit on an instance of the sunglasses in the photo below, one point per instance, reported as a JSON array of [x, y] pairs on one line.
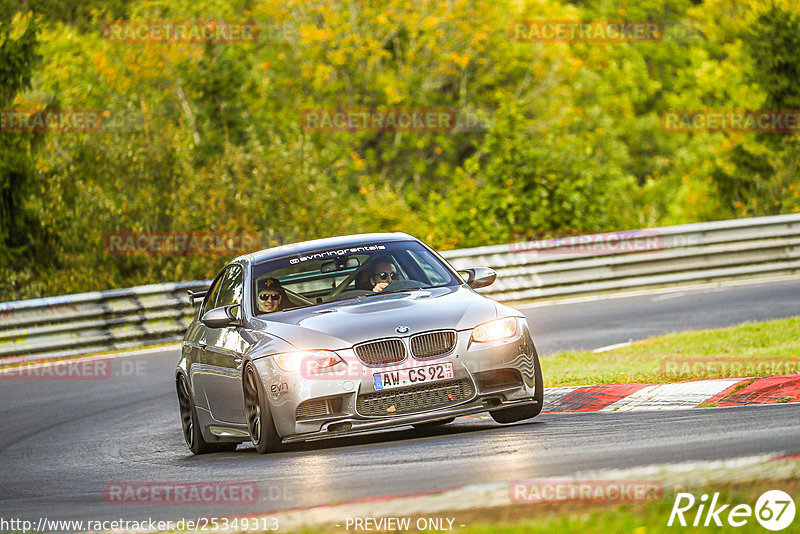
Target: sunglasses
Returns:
[[269, 296], [385, 276]]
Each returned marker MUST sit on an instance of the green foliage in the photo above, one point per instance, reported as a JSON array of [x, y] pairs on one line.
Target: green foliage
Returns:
[[773, 42], [761, 175], [79, 13], [17, 60], [552, 138]]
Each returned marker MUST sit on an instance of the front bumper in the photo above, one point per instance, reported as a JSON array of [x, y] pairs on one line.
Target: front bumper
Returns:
[[351, 426], [482, 368]]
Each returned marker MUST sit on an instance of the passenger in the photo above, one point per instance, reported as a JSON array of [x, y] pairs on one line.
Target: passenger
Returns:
[[271, 296]]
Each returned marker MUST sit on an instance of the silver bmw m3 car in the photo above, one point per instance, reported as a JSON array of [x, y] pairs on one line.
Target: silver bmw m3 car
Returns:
[[347, 335]]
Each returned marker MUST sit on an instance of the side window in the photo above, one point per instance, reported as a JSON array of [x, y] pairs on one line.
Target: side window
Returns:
[[230, 290]]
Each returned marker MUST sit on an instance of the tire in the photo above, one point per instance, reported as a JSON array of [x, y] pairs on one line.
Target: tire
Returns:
[[192, 434], [520, 413], [259, 418], [432, 424]]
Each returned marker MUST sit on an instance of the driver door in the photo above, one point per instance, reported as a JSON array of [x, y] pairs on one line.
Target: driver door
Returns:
[[224, 350]]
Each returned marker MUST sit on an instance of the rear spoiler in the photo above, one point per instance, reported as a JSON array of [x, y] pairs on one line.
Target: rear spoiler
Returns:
[[194, 295]]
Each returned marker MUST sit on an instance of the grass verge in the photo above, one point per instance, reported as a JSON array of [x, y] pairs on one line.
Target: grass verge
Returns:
[[753, 349]]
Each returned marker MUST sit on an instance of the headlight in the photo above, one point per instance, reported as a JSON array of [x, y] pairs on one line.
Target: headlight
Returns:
[[307, 361], [495, 330]]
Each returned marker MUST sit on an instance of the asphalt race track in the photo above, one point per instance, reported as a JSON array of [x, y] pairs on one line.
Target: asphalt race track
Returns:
[[63, 441]]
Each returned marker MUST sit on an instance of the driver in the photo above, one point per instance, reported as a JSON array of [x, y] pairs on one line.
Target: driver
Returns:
[[271, 296], [382, 274]]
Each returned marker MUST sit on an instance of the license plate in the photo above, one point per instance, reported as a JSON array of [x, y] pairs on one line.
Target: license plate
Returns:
[[413, 375]]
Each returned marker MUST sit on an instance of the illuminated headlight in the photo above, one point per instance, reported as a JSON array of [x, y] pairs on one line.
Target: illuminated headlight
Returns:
[[495, 330], [307, 361]]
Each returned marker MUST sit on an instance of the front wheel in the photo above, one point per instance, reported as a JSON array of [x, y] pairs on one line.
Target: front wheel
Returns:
[[259, 419], [190, 426], [519, 413]]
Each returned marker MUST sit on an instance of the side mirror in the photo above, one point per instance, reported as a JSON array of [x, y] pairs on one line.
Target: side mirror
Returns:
[[479, 276], [221, 317]]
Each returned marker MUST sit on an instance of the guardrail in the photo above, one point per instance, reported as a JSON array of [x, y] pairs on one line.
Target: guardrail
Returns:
[[85, 323], [744, 248], [702, 252]]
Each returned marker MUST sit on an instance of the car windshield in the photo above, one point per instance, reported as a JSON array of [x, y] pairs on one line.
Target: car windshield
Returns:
[[328, 275]]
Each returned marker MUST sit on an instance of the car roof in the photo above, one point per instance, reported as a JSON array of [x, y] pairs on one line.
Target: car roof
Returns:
[[305, 247]]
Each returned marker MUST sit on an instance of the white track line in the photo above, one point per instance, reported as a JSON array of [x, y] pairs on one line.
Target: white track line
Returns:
[[613, 347]]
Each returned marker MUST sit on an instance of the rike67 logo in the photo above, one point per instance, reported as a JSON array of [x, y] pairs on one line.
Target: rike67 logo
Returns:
[[774, 510]]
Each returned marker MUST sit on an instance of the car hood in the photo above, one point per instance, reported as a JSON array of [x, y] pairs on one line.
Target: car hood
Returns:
[[340, 325]]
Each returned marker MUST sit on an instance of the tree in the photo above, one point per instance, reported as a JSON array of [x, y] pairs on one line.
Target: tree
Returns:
[[18, 41]]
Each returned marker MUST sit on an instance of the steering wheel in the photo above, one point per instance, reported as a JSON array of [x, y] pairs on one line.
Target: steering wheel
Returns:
[[399, 285]]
